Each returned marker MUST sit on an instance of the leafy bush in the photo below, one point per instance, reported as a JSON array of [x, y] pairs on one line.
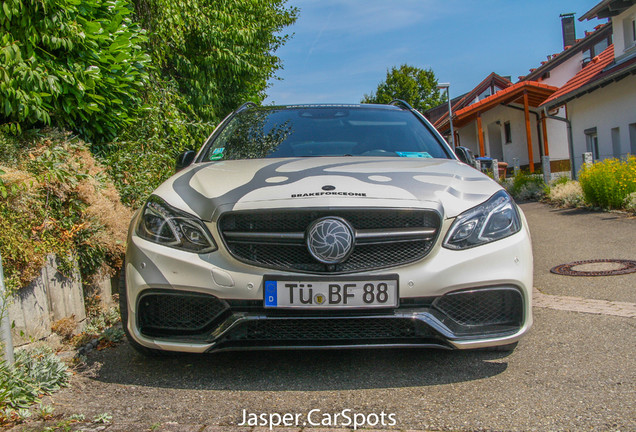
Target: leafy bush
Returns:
[[35, 373], [607, 184], [76, 64], [526, 186], [561, 180]]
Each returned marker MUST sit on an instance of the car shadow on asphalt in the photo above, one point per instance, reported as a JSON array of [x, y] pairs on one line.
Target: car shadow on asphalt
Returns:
[[295, 370]]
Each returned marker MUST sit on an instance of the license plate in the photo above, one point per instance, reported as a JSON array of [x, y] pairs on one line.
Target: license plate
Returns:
[[340, 293]]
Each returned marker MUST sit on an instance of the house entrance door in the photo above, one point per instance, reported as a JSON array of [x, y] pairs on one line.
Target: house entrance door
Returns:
[[495, 145]]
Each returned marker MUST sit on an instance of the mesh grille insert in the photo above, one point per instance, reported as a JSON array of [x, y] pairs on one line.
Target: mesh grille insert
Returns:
[[481, 308], [182, 312], [345, 329]]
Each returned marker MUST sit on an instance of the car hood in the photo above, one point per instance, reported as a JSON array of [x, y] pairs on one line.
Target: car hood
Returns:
[[211, 188]]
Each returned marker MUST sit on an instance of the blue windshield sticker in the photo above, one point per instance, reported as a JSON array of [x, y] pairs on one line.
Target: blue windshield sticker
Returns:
[[415, 155]]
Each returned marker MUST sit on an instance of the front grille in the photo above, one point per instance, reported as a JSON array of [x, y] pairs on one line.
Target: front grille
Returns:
[[178, 313], [275, 239], [344, 329], [482, 307]]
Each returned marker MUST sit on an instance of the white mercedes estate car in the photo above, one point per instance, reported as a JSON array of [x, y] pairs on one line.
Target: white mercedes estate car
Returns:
[[326, 226]]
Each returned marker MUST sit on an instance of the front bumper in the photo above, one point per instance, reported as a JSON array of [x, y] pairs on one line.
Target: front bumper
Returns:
[[450, 321], [495, 277]]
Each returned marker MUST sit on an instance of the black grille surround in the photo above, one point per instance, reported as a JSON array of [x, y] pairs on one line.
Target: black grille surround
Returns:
[[275, 239]]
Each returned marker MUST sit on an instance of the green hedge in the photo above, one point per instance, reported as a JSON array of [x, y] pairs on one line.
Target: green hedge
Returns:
[[78, 64]]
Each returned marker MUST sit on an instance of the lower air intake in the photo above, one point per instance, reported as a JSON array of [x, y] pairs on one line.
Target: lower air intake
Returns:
[[161, 314]]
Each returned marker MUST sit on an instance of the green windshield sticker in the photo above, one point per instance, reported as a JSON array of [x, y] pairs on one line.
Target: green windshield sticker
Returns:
[[217, 154], [415, 155]]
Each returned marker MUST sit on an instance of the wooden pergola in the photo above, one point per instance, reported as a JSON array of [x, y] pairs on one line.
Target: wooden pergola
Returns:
[[526, 93]]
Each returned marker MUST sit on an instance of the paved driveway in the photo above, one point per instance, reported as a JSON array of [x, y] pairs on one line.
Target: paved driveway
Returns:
[[573, 371]]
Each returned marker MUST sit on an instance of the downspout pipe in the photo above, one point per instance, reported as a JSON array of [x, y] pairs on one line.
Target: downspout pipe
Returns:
[[570, 140]]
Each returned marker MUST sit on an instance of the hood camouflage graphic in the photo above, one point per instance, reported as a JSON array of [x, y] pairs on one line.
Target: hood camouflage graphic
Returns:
[[212, 188]]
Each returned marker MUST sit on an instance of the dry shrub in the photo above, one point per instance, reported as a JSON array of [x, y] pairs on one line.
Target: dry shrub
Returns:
[[567, 194], [105, 207], [65, 327], [60, 200]]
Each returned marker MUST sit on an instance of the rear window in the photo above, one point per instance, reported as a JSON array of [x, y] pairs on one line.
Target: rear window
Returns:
[[324, 131]]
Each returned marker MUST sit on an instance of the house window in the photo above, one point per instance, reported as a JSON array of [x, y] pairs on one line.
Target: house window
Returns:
[[591, 142], [632, 139], [629, 25], [507, 133], [616, 142]]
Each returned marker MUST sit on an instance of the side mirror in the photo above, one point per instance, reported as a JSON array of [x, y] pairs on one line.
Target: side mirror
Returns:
[[185, 159], [465, 155]]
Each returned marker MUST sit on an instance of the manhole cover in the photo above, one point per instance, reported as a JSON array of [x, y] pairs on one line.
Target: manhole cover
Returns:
[[597, 267]]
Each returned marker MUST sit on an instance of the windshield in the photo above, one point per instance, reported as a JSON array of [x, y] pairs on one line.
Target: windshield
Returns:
[[324, 131]]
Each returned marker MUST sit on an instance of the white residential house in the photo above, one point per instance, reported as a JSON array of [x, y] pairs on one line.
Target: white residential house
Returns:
[[506, 121], [600, 100]]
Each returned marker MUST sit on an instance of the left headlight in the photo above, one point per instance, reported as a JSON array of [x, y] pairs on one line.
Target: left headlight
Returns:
[[166, 225], [493, 220]]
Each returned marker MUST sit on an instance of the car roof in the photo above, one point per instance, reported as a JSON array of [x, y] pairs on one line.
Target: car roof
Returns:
[[360, 106]]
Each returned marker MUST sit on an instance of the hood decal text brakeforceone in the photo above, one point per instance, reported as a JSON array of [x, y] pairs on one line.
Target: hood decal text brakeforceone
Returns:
[[317, 194], [408, 178]]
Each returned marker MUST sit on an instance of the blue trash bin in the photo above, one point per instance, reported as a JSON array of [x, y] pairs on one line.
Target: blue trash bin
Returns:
[[486, 162]]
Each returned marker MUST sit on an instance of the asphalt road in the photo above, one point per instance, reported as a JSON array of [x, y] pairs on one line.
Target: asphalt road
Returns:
[[563, 236], [573, 371]]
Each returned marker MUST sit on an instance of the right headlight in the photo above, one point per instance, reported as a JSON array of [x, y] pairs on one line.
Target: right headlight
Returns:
[[493, 220], [161, 223]]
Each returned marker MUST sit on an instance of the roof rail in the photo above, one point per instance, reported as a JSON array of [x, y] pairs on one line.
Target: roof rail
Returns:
[[400, 102], [245, 106]]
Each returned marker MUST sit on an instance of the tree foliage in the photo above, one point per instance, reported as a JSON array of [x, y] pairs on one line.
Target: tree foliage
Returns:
[[219, 52], [76, 63], [416, 86], [144, 154]]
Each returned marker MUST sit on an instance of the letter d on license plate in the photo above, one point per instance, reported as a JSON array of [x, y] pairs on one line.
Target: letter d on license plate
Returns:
[[320, 293]]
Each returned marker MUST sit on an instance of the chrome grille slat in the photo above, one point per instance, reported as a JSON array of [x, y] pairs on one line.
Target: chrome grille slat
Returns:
[[266, 237]]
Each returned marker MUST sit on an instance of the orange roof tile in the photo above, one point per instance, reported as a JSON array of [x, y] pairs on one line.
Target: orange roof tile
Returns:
[[601, 31], [586, 75], [492, 79], [537, 93]]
